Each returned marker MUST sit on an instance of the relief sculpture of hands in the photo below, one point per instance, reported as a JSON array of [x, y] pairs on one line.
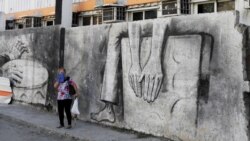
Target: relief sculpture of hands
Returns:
[[16, 50], [152, 75], [134, 80], [135, 68], [14, 73], [152, 72]]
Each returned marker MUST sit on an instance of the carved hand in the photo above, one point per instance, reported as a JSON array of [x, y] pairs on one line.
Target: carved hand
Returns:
[[152, 75], [16, 51], [135, 69], [152, 72], [134, 79], [14, 74]]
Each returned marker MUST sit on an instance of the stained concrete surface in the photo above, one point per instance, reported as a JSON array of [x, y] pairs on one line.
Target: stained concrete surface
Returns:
[[197, 62], [26, 120]]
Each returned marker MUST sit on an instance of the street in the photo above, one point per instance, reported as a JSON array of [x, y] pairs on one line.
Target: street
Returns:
[[14, 131]]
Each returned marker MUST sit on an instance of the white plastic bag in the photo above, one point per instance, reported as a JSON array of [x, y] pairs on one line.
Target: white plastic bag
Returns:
[[74, 109]]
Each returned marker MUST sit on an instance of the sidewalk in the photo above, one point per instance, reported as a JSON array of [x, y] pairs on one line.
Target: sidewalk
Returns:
[[83, 130]]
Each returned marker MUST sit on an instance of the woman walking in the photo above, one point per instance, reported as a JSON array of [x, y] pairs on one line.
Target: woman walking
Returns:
[[64, 98]]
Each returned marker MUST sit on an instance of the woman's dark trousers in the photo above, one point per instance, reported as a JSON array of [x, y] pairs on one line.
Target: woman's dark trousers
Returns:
[[64, 105]]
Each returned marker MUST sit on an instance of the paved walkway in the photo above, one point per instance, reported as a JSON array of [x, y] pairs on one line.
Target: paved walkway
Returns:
[[82, 130]]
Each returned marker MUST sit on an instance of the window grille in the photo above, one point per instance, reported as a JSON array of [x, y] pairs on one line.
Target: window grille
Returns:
[[108, 14], [121, 13], [28, 22], [37, 21], [170, 7], [185, 7], [97, 19], [151, 14]]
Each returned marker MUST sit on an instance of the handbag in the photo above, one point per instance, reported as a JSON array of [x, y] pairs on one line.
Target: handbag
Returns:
[[72, 90]]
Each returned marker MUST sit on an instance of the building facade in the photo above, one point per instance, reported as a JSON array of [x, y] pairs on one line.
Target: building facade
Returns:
[[37, 13]]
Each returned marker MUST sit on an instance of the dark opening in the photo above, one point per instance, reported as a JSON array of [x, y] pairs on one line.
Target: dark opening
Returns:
[[120, 13], [137, 16], [185, 7], [152, 14], [28, 22], [75, 19], [50, 23], [86, 21], [20, 26], [10, 24], [206, 8], [37, 21]]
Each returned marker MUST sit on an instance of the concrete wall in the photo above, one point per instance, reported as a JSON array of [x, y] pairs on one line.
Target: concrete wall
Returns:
[[180, 77], [30, 58], [184, 78]]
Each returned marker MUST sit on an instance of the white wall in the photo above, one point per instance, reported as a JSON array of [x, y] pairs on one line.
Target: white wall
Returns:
[[2, 21], [240, 5]]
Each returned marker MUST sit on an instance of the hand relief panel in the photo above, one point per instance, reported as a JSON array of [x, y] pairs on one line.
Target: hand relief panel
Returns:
[[33, 84], [174, 111]]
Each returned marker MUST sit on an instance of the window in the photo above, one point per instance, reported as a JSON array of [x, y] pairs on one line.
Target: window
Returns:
[[120, 13], [206, 8], [28, 22], [152, 14], [75, 19], [108, 14], [137, 16], [10, 24], [169, 7], [97, 19], [185, 7], [19, 23], [37, 22], [20, 26], [48, 20], [100, 19], [225, 6], [50, 23], [86, 21], [141, 15]]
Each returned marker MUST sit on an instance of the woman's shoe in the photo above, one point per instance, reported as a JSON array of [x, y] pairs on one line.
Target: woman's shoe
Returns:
[[60, 126], [68, 127]]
